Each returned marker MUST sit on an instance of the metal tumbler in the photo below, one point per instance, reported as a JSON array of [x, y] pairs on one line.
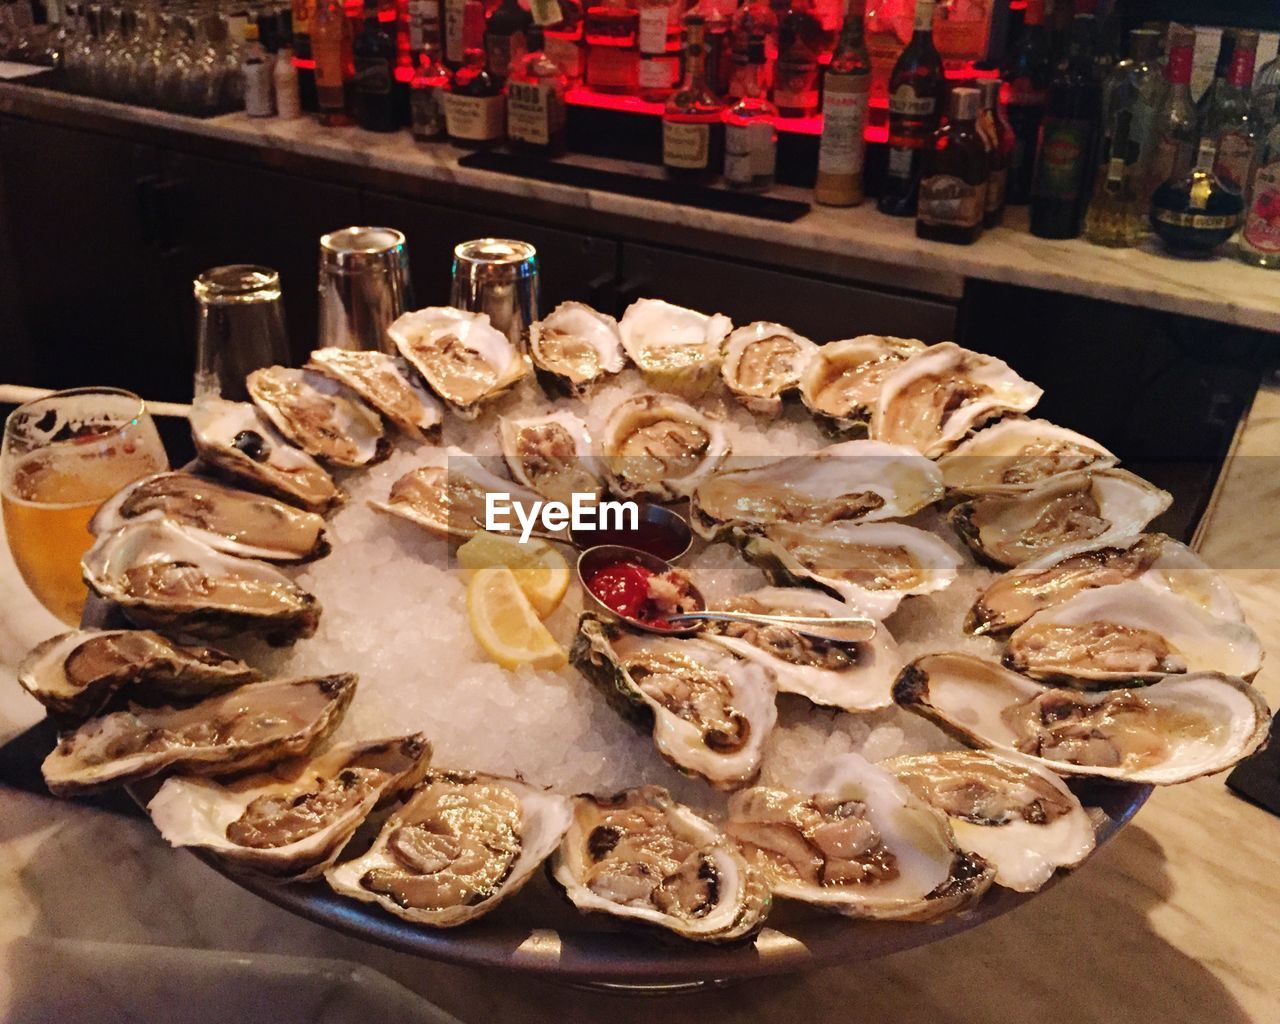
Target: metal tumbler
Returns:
[[239, 328], [498, 276], [364, 286]]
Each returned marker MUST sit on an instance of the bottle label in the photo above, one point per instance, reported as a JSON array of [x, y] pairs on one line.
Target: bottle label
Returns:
[[372, 77], [427, 112], [686, 145], [1063, 146], [566, 54], [535, 112], [302, 12], [659, 72], [997, 185], [1262, 227], [844, 121], [750, 152], [652, 37], [257, 90], [476, 118], [905, 103], [946, 200], [924, 15], [795, 86], [1235, 157], [1198, 221], [902, 162], [453, 50]]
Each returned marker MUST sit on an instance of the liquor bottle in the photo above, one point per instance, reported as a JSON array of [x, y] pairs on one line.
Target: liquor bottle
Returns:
[[285, 82], [916, 88], [611, 30], [997, 134], [1260, 239], [474, 108], [751, 130], [256, 67], [658, 39], [845, 90], [562, 32], [1174, 131], [1265, 88], [1060, 191], [504, 37], [1229, 121], [795, 75], [692, 126], [453, 42], [1118, 211], [1195, 213], [753, 18], [374, 56], [427, 92], [331, 44], [719, 18], [953, 180], [1226, 47], [535, 102], [303, 55], [1027, 73]]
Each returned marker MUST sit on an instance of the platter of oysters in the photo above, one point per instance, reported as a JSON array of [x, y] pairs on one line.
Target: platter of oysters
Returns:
[[276, 661]]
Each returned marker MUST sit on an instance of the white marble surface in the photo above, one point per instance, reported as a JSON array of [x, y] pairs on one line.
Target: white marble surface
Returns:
[[1221, 289]]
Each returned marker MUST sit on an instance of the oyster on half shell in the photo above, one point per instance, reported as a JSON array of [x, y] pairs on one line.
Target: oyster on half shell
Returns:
[[676, 349], [1014, 455], [319, 415], [574, 347], [841, 381], [387, 383], [762, 363], [659, 446], [551, 454]]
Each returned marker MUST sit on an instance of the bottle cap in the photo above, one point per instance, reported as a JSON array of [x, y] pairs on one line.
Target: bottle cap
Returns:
[[964, 104], [1144, 43]]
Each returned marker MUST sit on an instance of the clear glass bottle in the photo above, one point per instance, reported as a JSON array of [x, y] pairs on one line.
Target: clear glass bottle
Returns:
[[845, 91], [427, 91], [751, 130], [1265, 88], [1175, 129], [1229, 121], [692, 123], [953, 179], [536, 112], [1221, 67], [1259, 241]]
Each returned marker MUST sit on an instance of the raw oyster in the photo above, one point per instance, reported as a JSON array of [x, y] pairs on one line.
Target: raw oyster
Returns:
[[642, 857], [1018, 816], [871, 566], [762, 363], [1171, 731], [659, 446], [237, 439], [165, 579], [292, 820], [855, 677], [574, 347], [461, 844], [232, 521], [1075, 508], [1015, 455], [853, 839], [249, 727], [1151, 558], [841, 381], [386, 383], [710, 710], [75, 674], [1112, 636], [462, 356], [862, 480], [319, 415], [551, 454], [936, 397], [676, 349]]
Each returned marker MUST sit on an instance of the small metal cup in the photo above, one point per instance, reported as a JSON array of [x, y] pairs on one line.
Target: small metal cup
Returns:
[[239, 328], [364, 286], [498, 276]]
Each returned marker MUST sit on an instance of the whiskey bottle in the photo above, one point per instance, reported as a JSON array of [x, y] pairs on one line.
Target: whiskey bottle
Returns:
[[474, 108], [997, 136], [916, 88], [374, 56], [751, 131], [692, 126], [1229, 121], [845, 90], [1027, 72], [535, 102], [953, 182], [331, 45]]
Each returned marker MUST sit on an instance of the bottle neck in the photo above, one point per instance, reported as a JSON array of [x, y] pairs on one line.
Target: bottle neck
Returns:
[[1242, 63], [1033, 17], [695, 58], [852, 32], [924, 18], [1177, 69]]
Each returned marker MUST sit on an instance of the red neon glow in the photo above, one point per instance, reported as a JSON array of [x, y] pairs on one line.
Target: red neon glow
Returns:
[[304, 64]]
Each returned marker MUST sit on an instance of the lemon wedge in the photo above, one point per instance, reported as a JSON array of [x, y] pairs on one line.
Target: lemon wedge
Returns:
[[539, 568], [505, 623]]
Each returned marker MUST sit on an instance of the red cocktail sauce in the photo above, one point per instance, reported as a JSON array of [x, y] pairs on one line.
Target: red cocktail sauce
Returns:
[[624, 587]]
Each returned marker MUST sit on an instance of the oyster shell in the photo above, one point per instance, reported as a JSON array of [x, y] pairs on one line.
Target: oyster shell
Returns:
[[841, 381], [1072, 509], [1112, 636], [237, 439], [461, 844], [1171, 731], [709, 709], [936, 397], [462, 356], [871, 566], [1018, 816], [659, 446], [293, 820], [319, 415], [165, 579], [75, 674], [1014, 455], [249, 727], [551, 455], [762, 363], [232, 521], [387, 383], [855, 677], [853, 839], [862, 480], [676, 349], [643, 858], [573, 348]]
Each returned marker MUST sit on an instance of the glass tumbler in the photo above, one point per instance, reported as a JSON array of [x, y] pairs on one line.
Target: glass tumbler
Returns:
[[498, 276], [364, 286], [239, 328]]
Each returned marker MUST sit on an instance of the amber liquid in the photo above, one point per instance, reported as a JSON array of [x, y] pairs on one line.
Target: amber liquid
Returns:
[[48, 499]]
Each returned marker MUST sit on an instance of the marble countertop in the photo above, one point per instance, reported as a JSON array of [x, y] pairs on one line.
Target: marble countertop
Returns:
[[1221, 289]]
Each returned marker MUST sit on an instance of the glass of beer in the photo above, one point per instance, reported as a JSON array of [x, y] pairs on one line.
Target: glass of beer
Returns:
[[63, 456]]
